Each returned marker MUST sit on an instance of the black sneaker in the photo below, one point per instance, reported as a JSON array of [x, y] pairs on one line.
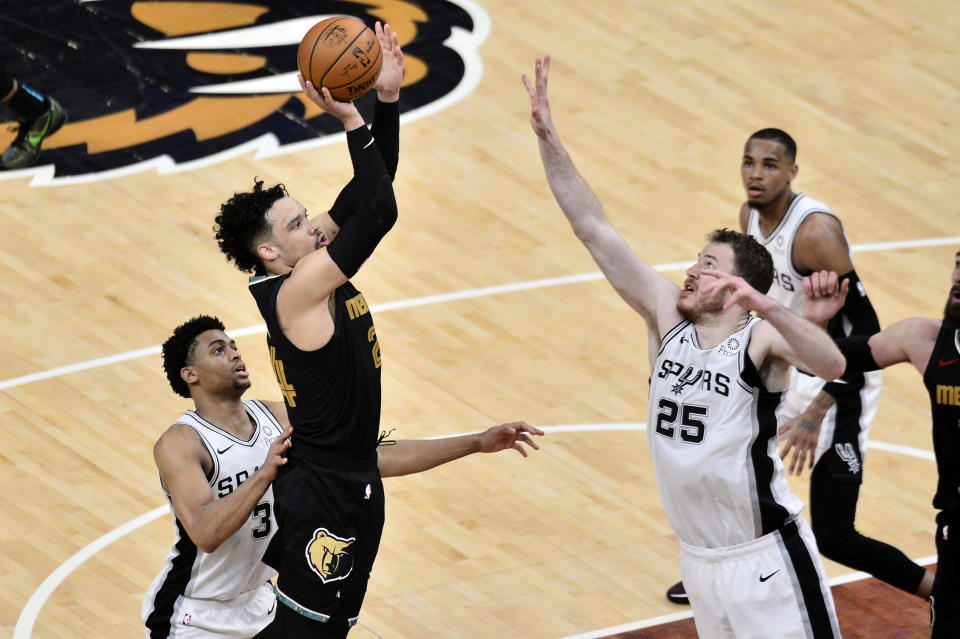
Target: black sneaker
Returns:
[[677, 594], [26, 147]]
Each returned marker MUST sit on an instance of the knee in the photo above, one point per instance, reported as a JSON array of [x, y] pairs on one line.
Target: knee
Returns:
[[836, 541]]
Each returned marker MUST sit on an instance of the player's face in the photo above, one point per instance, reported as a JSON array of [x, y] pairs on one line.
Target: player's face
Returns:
[[766, 171], [218, 366], [694, 304], [294, 234], [951, 313]]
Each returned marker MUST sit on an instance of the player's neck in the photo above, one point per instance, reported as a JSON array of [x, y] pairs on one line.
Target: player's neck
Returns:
[[772, 213], [713, 328], [227, 414]]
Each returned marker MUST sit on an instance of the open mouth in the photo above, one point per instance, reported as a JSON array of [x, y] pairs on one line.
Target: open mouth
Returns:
[[241, 370]]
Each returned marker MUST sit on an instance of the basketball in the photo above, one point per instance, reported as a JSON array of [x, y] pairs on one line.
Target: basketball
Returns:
[[342, 54]]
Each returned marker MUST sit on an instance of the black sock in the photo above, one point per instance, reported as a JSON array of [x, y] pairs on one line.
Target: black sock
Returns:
[[27, 102], [6, 83]]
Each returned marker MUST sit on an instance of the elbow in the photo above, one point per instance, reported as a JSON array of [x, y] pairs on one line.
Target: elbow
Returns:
[[385, 204], [208, 543], [834, 367], [209, 546]]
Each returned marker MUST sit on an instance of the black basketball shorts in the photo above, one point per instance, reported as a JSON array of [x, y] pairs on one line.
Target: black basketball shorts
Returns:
[[329, 524]]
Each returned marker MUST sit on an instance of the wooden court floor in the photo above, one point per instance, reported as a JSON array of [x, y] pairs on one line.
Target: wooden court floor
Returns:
[[487, 307]]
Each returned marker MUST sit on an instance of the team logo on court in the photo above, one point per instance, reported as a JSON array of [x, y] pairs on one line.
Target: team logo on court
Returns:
[[849, 455], [330, 556], [170, 85]]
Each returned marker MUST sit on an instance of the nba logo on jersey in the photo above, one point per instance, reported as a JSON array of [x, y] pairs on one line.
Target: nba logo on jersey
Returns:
[[368, 491], [186, 619]]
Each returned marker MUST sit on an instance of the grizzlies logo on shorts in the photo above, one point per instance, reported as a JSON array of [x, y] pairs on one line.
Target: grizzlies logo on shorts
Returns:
[[330, 556]]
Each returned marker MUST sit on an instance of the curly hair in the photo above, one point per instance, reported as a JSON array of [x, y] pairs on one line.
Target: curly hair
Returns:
[[242, 224], [180, 349], [751, 260], [780, 136]]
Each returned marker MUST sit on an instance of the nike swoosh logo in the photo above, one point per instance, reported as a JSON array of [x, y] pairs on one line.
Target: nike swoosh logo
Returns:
[[763, 579], [34, 140], [274, 605], [947, 363], [220, 452]]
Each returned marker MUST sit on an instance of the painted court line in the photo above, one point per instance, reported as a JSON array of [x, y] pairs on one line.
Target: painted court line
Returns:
[[441, 299], [31, 610]]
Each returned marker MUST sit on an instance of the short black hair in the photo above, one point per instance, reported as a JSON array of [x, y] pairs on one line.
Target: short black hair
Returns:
[[751, 259], [242, 224], [180, 349], [778, 135]]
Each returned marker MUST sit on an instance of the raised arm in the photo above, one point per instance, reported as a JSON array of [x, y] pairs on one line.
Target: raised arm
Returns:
[[386, 121], [408, 456], [786, 336], [319, 273], [647, 291], [183, 463]]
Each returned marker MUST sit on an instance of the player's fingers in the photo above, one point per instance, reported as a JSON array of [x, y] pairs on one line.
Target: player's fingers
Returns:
[[793, 460], [526, 439], [527, 428], [526, 84], [734, 297], [832, 286], [518, 447], [844, 288]]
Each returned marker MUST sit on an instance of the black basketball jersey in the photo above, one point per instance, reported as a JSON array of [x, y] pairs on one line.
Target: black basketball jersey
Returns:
[[332, 393], [942, 379]]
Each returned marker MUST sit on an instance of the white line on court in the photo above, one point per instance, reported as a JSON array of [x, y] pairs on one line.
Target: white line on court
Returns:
[[31, 610], [440, 299]]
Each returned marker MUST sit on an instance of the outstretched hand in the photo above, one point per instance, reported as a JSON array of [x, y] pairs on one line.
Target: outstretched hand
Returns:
[[346, 112], [740, 291], [823, 297], [391, 72], [540, 118], [506, 436], [802, 434]]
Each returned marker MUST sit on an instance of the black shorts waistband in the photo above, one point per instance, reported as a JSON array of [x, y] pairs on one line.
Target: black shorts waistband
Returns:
[[310, 453]]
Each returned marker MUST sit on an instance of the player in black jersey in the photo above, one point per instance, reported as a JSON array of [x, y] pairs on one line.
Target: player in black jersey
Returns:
[[230, 593], [326, 357], [933, 347]]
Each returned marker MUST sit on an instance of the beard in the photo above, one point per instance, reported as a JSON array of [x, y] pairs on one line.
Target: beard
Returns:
[[701, 307], [951, 312]]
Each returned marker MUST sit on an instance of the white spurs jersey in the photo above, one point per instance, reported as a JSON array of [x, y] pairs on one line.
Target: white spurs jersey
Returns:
[[787, 285], [235, 567], [713, 439]]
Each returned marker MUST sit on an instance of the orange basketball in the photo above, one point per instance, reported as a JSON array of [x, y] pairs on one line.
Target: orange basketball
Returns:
[[342, 54]]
